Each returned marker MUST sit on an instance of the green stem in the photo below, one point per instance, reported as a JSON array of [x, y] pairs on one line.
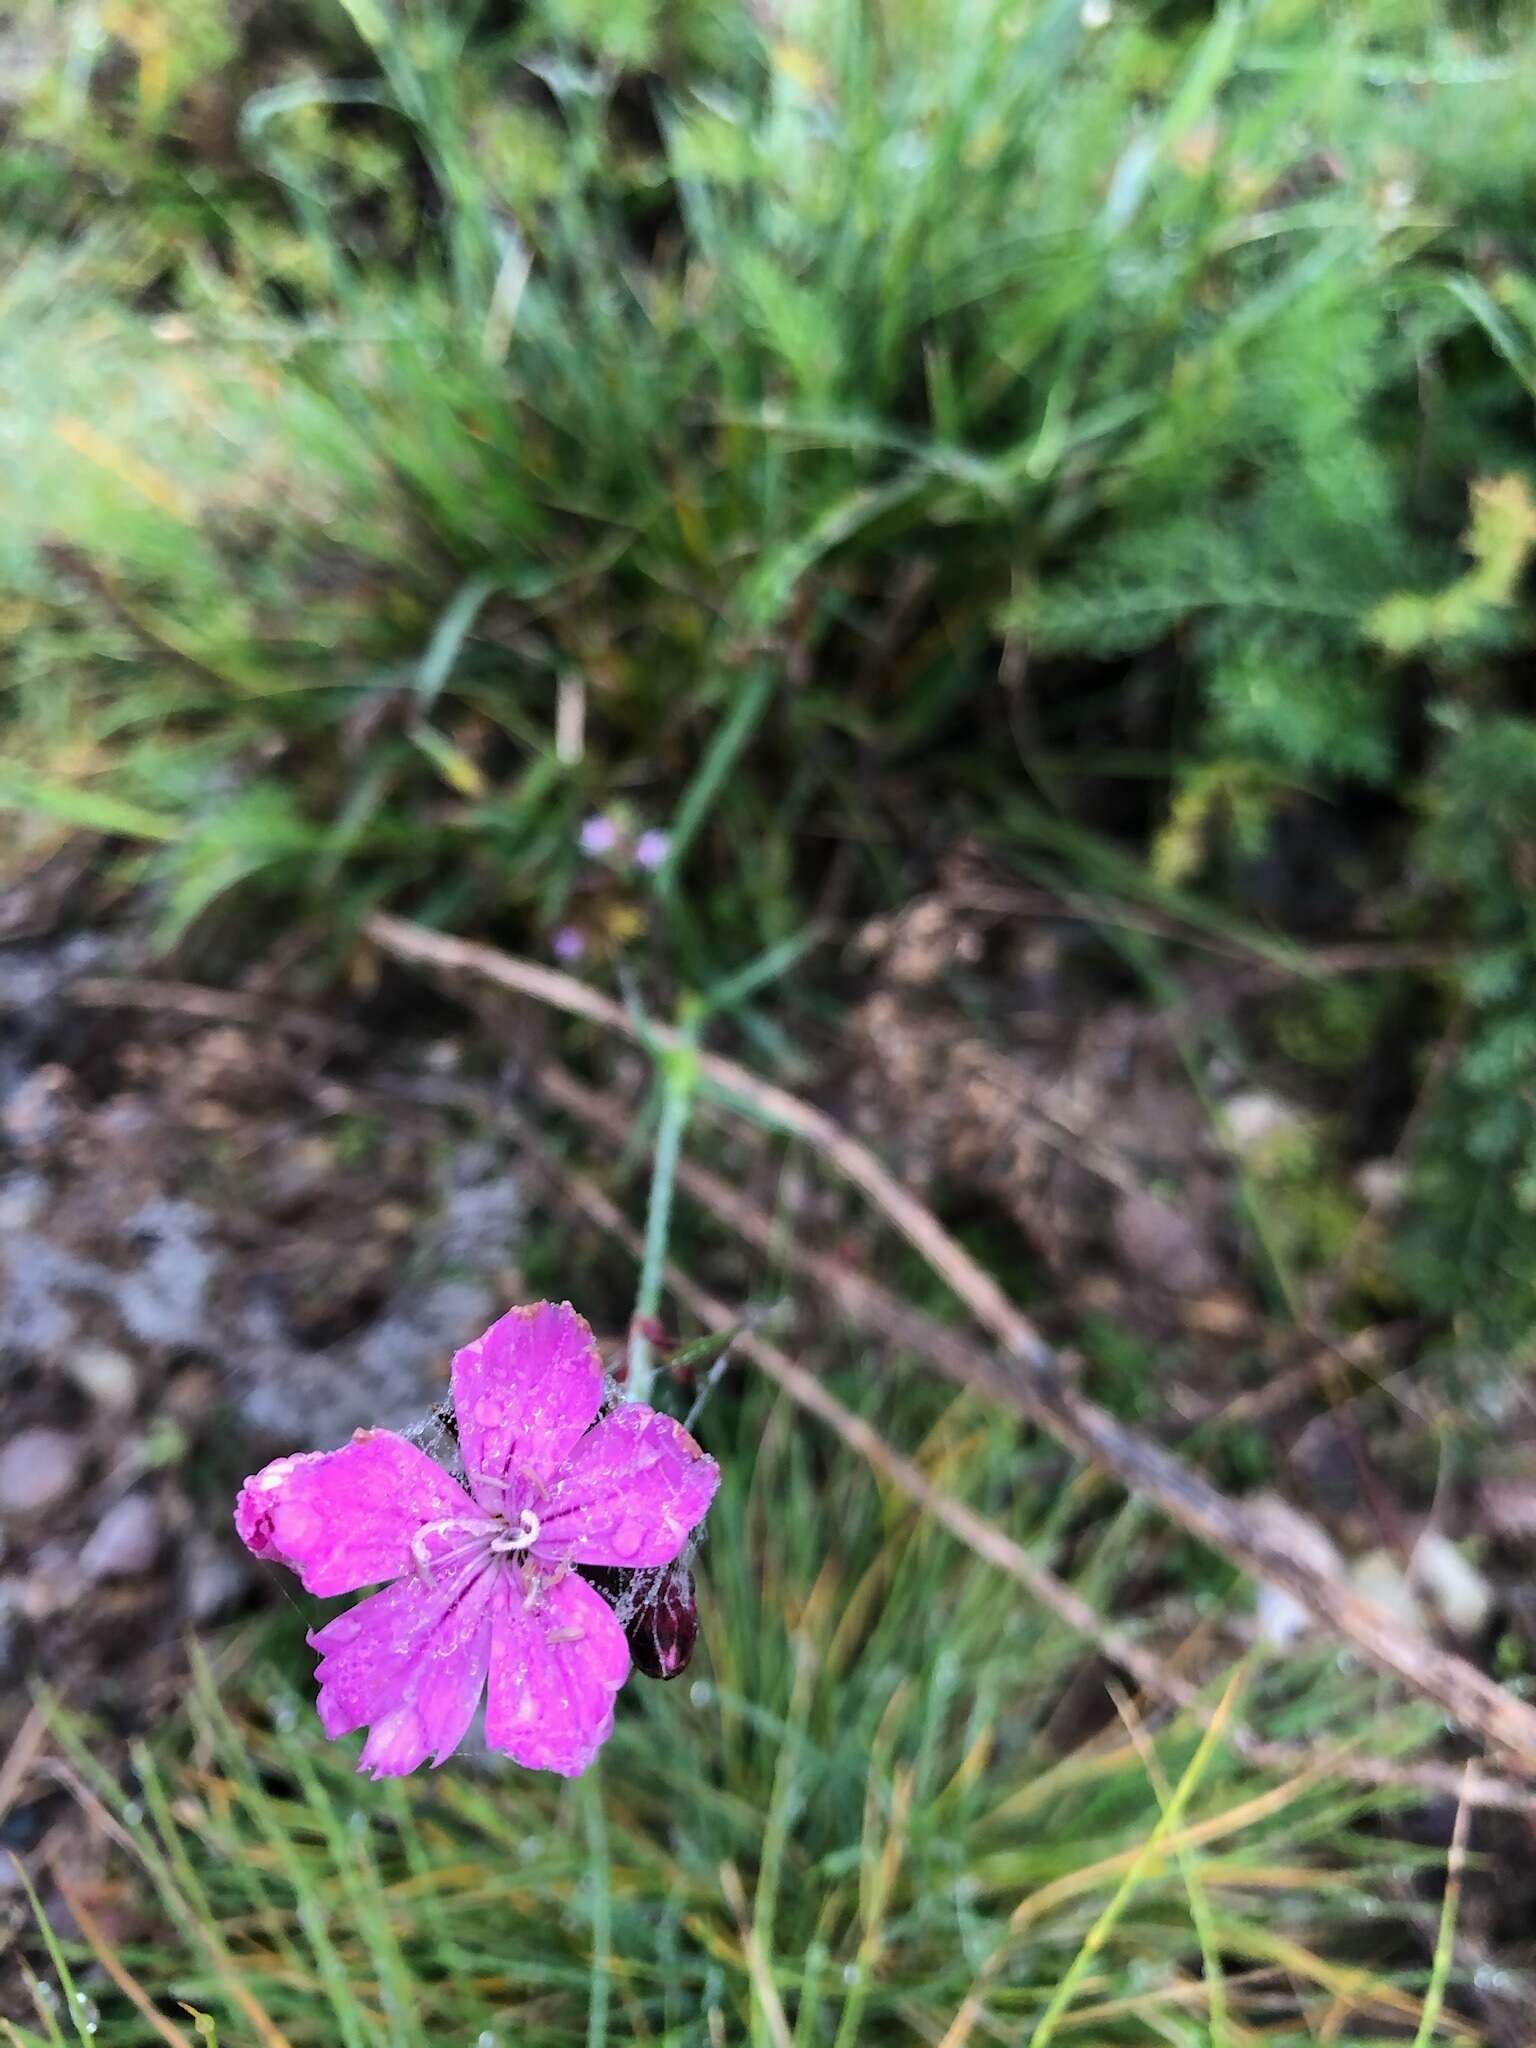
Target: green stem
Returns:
[[679, 1076], [602, 1917]]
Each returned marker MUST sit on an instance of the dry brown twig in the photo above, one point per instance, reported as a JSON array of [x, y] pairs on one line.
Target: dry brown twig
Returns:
[[1026, 1373], [582, 1195], [865, 1302]]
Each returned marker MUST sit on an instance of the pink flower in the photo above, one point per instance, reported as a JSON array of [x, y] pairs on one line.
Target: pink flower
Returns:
[[484, 1592], [652, 848], [568, 943]]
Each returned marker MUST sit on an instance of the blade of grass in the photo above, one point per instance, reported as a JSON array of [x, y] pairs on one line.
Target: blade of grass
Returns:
[[73, 1999], [1189, 1871], [1168, 1824], [750, 701], [1445, 1940], [39, 1993], [600, 1908], [118, 1970], [679, 1078]]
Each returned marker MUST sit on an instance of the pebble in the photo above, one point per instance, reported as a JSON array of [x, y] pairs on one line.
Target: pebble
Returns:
[[1454, 1586], [38, 1469], [105, 1375], [215, 1583], [1254, 1117], [125, 1541], [1160, 1242], [23, 1197]]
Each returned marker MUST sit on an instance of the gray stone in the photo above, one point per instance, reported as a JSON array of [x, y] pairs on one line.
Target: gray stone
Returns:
[[1254, 1117], [23, 1198], [1160, 1242], [38, 1469], [105, 1374], [214, 1583], [125, 1542]]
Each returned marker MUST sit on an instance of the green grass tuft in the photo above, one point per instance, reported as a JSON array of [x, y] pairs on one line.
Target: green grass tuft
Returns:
[[887, 1780]]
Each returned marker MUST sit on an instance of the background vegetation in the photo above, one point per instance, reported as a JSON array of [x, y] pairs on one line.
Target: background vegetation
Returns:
[[1102, 433], [1094, 435]]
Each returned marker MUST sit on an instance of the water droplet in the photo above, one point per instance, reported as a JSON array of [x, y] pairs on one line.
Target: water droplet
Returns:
[[627, 1538], [295, 1525], [487, 1411]]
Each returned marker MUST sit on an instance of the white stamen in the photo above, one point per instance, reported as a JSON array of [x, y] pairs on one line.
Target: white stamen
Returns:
[[527, 1535], [422, 1557]]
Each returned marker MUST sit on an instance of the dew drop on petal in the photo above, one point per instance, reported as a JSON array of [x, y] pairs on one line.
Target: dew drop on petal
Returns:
[[627, 1537], [295, 1525], [487, 1411]]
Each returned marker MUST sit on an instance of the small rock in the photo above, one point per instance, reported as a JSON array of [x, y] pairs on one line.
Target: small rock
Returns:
[[1452, 1584], [1509, 1506], [125, 1541], [54, 1582], [1379, 1578], [106, 1375], [34, 1111], [215, 1583], [1160, 1243], [1279, 1617], [1382, 1183], [38, 1469], [1254, 1117], [23, 1197]]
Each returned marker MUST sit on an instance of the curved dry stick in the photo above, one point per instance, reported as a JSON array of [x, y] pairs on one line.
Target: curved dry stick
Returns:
[[863, 1298], [864, 1301], [1027, 1375]]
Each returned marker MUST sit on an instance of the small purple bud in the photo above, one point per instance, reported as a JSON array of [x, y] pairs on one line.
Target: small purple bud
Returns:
[[568, 943], [599, 835], [652, 848]]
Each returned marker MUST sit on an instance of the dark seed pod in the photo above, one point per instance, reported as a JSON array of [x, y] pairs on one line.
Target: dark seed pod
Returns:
[[659, 1612], [664, 1628]]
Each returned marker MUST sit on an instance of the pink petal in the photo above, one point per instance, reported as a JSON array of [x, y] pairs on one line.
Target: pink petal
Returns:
[[523, 1393], [629, 1494], [554, 1672], [409, 1664], [344, 1519]]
